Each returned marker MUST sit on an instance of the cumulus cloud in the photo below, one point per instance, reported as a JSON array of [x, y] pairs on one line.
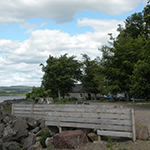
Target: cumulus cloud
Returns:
[[20, 60], [60, 10], [28, 26]]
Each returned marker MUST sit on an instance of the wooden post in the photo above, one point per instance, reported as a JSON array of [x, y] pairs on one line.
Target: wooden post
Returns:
[[133, 125], [12, 109], [99, 138], [60, 129]]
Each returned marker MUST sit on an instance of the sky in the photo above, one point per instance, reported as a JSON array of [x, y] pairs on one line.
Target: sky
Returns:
[[31, 30]]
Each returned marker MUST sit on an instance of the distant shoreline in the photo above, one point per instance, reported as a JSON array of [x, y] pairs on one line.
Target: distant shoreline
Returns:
[[11, 98]]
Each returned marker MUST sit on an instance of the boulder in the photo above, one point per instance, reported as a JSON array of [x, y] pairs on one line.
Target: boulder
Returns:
[[11, 146], [49, 141], [20, 125], [32, 122], [36, 146], [7, 138], [28, 142], [2, 127], [21, 135], [39, 133], [35, 130], [54, 130], [142, 133], [1, 144], [7, 119], [9, 131], [69, 139], [42, 122], [92, 136]]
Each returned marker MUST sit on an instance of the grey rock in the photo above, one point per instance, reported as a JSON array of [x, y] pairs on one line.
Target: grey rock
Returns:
[[7, 138], [54, 130], [36, 146], [20, 125], [1, 144], [142, 133], [39, 133], [32, 122], [9, 131], [49, 141], [35, 130], [12, 145], [28, 142], [21, 135], [69, 139], [7, 119], [2, 126], [42, 122]]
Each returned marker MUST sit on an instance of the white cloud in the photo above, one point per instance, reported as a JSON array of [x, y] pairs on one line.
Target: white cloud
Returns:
[[28, 26], [25, 57], [60, 10], [43, 24]]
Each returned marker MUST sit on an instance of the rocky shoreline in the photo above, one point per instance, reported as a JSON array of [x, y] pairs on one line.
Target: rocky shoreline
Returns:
[[7, 103]]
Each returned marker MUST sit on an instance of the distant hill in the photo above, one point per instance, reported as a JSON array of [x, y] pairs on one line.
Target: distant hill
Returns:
[[15, 90]]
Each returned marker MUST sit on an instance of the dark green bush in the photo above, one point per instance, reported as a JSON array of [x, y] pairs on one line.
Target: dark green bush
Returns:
[[45, 133]]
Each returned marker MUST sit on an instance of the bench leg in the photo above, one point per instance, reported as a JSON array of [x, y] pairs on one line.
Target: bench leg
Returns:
[[99, 138], [60, 129]]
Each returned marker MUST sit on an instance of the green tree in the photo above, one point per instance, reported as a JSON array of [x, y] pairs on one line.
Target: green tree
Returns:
[[125, 54], [92, 77], [119, 61], [37, 93], [60, 74], [138, 23], [140, 79]]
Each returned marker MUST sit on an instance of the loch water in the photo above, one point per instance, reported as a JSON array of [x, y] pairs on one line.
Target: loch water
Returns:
[[2, 98]]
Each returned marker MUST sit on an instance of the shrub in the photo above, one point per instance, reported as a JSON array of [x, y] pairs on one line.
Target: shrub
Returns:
[[45, 133], [37, 93]]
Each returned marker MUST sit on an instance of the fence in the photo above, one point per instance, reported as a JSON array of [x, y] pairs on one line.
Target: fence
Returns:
[[107, 120]]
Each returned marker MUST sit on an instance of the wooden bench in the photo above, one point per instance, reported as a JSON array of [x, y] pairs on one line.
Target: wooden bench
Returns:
[[107, 120]]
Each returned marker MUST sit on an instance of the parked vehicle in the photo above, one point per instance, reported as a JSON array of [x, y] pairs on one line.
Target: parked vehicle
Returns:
[[136, 99], [119, 96]]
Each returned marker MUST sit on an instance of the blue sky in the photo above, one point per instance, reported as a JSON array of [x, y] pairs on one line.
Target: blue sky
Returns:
[[31, 30]]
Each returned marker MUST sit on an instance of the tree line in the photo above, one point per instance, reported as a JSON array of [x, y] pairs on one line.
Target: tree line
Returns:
[[124, 66]]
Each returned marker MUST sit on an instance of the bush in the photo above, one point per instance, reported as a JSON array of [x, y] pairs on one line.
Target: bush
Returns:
[[37, 93], [45, 133]]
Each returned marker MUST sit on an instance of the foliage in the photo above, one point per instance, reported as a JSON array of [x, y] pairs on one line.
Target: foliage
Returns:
[[45, 133], [110, 143], [7, 108], [92, 75], [37, 93], [119, 61], [140, 78], [126, 52], [60, 74]]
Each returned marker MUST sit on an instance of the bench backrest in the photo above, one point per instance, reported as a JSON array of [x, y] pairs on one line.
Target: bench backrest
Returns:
[[108, 120]]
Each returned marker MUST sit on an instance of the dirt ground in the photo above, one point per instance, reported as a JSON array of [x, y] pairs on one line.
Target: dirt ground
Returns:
[[142, 117]]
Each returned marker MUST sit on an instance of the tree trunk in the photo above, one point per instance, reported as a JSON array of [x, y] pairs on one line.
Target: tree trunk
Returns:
[[127, 96], [59, 95]]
